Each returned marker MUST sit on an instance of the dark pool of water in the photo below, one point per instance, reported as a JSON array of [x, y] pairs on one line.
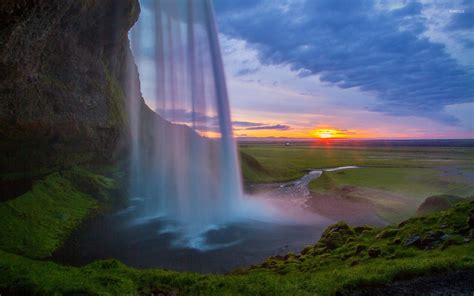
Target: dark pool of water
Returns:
[[145, 245]]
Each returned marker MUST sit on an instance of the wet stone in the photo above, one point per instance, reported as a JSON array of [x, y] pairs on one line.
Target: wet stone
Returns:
[[445, 237], [431, 238], [413, 240]]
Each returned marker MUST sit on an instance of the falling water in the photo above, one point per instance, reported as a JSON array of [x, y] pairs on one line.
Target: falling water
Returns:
[[186, 172]]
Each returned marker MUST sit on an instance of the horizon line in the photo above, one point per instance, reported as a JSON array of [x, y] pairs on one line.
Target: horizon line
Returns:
[[351, 139]]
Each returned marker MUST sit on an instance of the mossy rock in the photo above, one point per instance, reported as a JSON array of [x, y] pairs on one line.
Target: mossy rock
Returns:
[[437, 203], [374, 252], [360, 229], [387, 233]]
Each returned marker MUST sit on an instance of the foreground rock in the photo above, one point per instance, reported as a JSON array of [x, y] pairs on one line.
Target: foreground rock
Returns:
[[63, 75], [437, 203], [341, 244]]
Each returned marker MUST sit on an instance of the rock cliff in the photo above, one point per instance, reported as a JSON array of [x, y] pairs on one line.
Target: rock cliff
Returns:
[[62, 81]]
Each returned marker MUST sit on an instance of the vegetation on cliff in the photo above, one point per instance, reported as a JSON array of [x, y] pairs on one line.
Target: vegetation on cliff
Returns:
[[36, 223], [63, 75], [251, 168], [346, 258]]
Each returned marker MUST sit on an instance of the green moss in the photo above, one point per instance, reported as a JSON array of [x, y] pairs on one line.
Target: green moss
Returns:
[[251, 168], [340, 242], [437, 203], [115, 101], [94, 185], [389, 232], [113, 278], [36, 223]]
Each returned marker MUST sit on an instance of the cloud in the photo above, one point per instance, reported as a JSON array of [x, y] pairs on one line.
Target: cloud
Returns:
[[462, 17], [281, 127], [462, 21], [356, 44], [246, 71], [205, 122], [246, 124], [459, 28]]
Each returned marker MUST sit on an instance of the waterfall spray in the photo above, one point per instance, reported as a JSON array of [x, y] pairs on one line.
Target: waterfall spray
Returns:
[[184, 167]]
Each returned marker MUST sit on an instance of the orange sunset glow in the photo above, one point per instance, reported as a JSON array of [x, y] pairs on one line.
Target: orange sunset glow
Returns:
[[299, 132], [328, 133], [325, 133]]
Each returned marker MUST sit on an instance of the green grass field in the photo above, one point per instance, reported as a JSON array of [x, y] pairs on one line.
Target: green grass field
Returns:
[[395, 180], [281, 163], [418, 183]]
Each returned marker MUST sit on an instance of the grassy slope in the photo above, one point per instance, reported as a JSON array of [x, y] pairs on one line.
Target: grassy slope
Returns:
[[251, 168], [340, 262], [36, 223]]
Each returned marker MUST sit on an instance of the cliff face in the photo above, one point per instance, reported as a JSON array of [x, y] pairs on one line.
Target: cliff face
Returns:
[[62, 81]]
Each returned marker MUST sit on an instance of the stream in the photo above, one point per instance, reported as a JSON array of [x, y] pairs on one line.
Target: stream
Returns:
[[300, 187]]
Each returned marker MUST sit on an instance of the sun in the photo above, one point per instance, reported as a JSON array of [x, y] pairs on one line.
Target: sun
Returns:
[[325, 133]]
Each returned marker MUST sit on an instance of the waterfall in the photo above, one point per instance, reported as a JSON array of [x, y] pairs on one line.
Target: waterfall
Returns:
[[184, 166]]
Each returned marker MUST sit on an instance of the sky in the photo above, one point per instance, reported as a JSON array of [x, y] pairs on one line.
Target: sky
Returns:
[[352, 69]]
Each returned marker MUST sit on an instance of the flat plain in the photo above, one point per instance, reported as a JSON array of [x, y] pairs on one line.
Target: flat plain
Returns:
[[393, 179]]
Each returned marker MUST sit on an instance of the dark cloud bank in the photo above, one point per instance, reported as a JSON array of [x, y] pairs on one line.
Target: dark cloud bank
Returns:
[[356, 44]]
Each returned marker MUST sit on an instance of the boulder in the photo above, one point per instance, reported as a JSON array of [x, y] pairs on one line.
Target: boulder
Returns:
[[413, 240], [431, 238], [437, 203], [335, 235]]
